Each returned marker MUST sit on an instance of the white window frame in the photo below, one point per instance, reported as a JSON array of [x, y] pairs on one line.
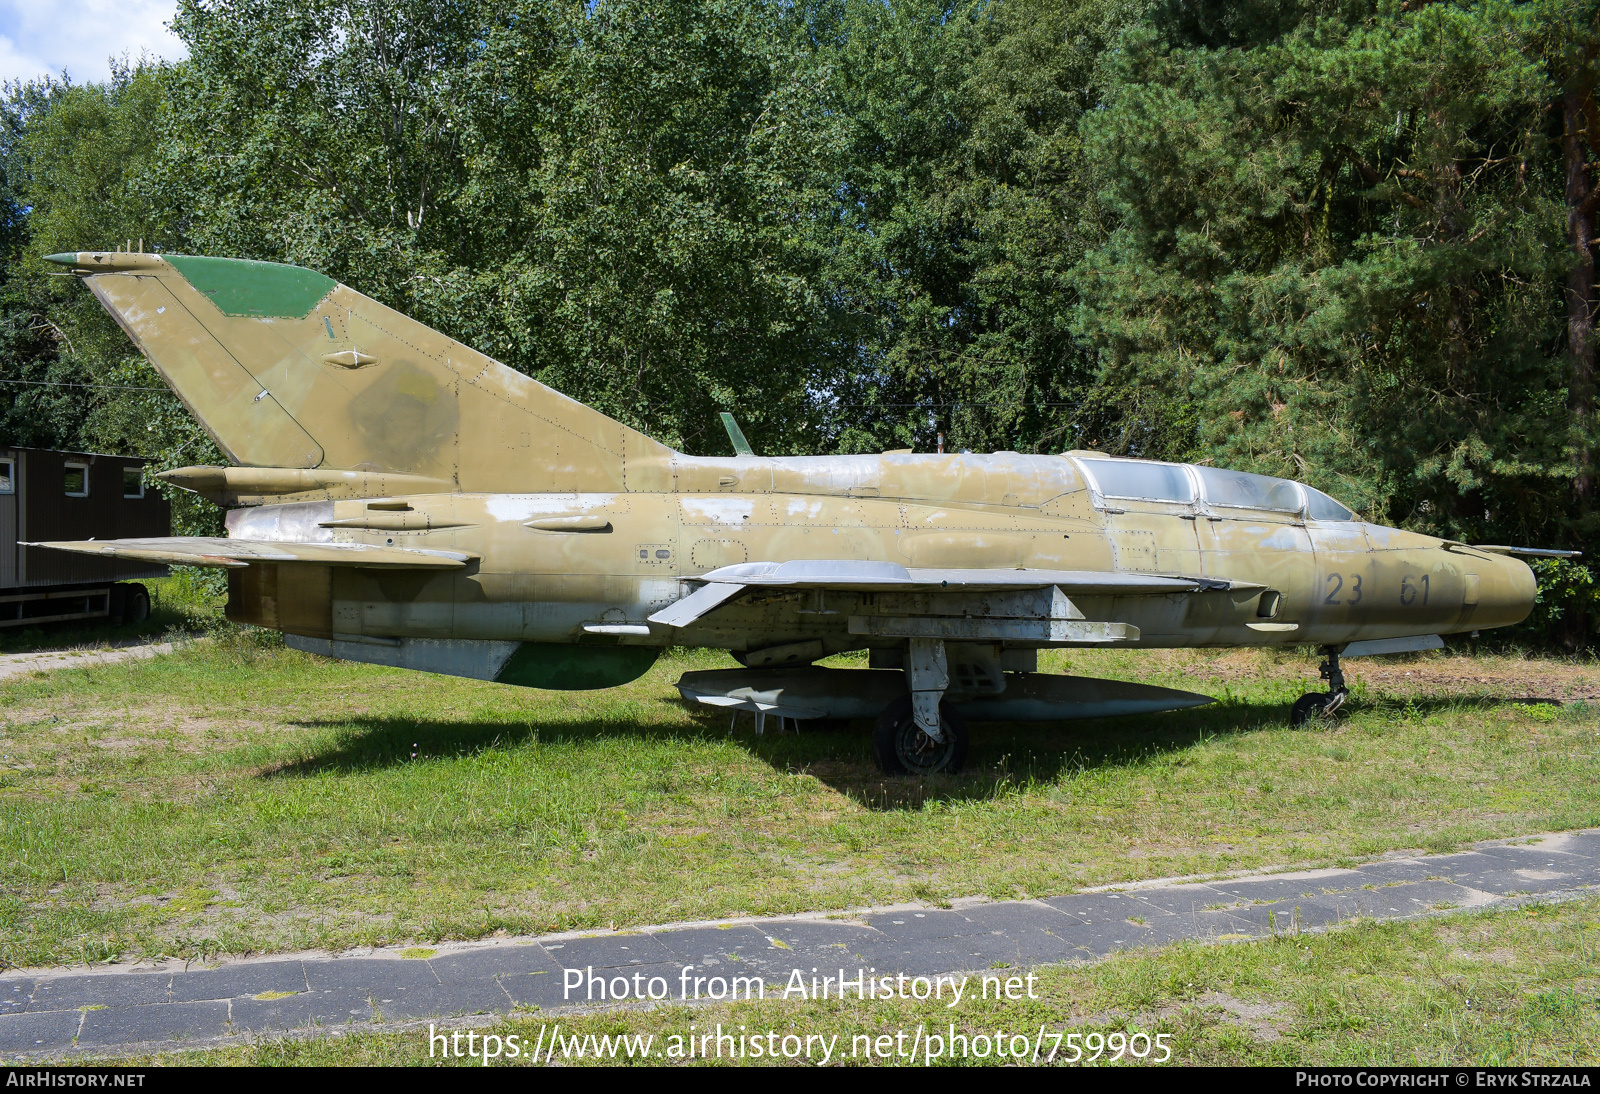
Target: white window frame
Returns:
[[139, 479], [70, 464]]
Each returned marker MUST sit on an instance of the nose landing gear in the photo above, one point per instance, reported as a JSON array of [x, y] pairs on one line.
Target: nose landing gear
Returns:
[[1314, 705]]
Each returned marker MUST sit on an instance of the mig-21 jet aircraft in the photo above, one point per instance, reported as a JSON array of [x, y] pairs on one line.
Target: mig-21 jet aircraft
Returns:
[[398, 498]]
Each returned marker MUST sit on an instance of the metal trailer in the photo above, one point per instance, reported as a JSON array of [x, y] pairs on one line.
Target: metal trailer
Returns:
[[82, 495]]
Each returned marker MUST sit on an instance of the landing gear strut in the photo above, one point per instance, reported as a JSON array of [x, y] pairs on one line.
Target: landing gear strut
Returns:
[[920, 733], [902, 747], [1317, 706]]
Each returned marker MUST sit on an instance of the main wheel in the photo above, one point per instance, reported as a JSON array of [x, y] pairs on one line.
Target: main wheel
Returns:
[[902, 748], [1310, 707]]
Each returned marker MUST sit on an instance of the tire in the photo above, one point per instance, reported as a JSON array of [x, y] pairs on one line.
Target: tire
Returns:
[[901, 748], [135, 604], [1308, 708]]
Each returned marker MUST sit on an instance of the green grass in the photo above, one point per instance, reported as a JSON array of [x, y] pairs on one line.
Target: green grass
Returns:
[[240, 797], [1510, 987]]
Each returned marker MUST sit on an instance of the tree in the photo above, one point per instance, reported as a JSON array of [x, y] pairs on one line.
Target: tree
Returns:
[[1341, 241], [78, 161], [966, 201], [611, 197]]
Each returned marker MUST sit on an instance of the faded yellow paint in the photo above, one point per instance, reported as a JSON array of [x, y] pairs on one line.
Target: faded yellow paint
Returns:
[[357, 425]]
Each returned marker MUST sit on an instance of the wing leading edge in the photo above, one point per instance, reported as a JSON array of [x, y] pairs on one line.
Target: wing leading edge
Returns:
[[234, 554], [849, 575]]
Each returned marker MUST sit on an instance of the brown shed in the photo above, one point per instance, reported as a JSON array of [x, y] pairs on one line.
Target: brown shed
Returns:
[[47, 495]]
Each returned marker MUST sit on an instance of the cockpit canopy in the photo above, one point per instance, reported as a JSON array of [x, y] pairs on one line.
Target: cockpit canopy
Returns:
[[1187, 484]]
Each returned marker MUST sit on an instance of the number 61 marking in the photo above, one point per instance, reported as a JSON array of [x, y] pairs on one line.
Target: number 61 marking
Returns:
[[1408, 589], [1337, 581]]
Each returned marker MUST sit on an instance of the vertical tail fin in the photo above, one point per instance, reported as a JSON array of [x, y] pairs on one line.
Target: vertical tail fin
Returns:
[[287, 368]]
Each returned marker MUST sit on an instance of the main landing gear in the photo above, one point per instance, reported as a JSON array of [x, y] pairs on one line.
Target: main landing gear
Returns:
[[902, 747], [1315, 706], [921, 733]]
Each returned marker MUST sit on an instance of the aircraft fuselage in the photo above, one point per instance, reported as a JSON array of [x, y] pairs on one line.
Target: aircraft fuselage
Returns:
[[591, 568]]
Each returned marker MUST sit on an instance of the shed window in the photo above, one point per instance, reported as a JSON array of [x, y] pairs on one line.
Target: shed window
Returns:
[[1322, 507], [1242, 490], [132, 482], [1145, 481], [77, 480], [7, 481]]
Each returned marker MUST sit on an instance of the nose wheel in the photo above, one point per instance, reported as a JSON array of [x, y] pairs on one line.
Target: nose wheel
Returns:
[[1317, 706]]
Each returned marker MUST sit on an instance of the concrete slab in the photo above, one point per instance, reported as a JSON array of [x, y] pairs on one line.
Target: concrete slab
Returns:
[[930, 958], [910, 926], [154, 1022], [1021, 916], [1037, 947], [711, 946], [1288, 888], [424, 1000], [307, 1010], [48, 1031], [812, 942], [1285, 917], [374, 975], [1179, 899], [238, 981], [1096, 908], [20, 664], [1199, 924], [1397, 901], [15, 994], [1396, 870], [609, 951], [1530, 870], [492, 961], [106, 989], [534, 989]]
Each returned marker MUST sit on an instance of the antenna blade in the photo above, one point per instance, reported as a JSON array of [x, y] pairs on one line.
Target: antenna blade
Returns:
[[741, 447]]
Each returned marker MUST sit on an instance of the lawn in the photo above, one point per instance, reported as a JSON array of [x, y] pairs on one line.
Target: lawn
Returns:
[[239, 797]]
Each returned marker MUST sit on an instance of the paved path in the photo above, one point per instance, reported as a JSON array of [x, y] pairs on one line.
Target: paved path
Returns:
[[58, 1012], [19, 664]]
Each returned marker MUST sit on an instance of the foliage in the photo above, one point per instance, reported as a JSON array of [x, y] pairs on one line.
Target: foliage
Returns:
[[1569, 600], [611, 198], [79, 159], [966, 203], [1340, 240]]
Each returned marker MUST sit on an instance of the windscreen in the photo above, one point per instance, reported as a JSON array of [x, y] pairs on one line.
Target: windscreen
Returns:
[[1242, 490], [1322, 507], [1135, 479]]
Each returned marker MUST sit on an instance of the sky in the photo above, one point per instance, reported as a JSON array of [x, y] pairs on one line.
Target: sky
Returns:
[[40, 36]]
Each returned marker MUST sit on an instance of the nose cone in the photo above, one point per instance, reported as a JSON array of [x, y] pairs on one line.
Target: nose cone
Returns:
[[1507, 589]]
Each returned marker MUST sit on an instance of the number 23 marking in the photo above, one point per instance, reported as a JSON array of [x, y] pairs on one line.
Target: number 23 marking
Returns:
[[1337, 581]]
